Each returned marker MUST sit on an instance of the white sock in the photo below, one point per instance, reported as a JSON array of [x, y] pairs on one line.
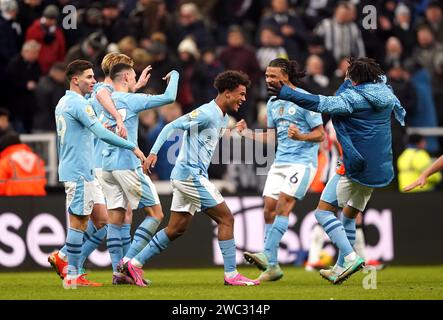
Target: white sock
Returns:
[[316, 244], [72, 276], [231, 274], [351, 256], [62, 256], [136, 263], [359, 245], [125, 259]]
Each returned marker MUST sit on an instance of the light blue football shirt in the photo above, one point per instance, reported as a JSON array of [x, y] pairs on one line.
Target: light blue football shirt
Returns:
[[99, 144], [75, 142], [203, 127], [129, 105], [281, 114]]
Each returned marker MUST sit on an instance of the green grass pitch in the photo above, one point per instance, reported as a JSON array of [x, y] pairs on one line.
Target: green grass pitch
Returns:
[[207, 284]]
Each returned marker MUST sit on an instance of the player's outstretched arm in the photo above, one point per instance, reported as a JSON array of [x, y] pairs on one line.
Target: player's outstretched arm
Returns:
[[312, 102], [104, 97], [180, 123], [170, 93], [421, 181]]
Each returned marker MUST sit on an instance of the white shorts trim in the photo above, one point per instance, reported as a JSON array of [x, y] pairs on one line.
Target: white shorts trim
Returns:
[[353, 194], [99, 196], [291, 179], [123, 187], [79, 197], [194, 195]]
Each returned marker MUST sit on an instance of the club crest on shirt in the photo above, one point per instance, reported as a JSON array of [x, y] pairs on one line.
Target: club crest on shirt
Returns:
[[193, 114], [90, 111], [291, 111], [281, 110]]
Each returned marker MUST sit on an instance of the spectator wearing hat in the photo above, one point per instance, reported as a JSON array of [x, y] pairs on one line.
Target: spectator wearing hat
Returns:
[[403, 28], [51, 38], [93, 49], [188, 55], [11, 35]]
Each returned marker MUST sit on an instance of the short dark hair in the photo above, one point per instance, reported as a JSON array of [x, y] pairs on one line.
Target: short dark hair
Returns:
[[10, 138], [76, 68], [291, 68], [230, 80], [119, 67], [363, 70]]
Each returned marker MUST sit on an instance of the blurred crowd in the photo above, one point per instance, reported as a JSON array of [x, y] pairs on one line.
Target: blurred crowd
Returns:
[[204, 37]]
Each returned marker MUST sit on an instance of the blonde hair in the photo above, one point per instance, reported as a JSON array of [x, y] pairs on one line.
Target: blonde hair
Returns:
[[113, 58]]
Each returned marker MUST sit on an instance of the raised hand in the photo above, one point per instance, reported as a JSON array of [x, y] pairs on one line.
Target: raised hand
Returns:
[[144, 78], [274, 88]]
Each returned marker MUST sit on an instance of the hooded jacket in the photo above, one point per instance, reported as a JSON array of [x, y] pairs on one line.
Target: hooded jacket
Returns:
[[361, 116]]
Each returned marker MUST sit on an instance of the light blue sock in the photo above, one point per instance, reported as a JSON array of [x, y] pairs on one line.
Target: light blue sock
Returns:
[[158, 243], [114, 244], [94, 241], [334, 228], [267, 228], [227, 248], [126, 237], [276, 232], [74, 241], [142, 236], [349, 225], [90, 230]]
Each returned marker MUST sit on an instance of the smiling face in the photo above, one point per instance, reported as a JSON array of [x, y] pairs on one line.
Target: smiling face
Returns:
[[274, 75], [85, 81], [235, 98]]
